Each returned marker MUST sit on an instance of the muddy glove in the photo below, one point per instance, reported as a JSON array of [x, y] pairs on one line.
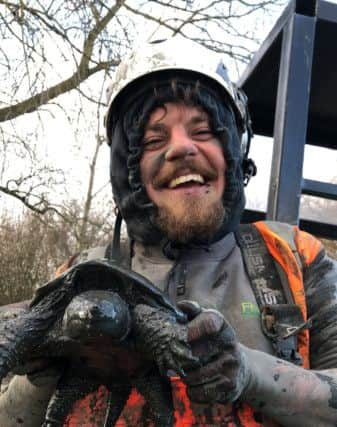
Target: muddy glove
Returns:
[[223, 373]]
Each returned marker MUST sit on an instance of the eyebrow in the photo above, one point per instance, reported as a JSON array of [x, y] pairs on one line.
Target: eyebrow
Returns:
[[160, 127], [155, 127], [200, 118]]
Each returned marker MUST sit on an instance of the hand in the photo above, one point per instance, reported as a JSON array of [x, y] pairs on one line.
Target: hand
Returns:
[[224, 372]]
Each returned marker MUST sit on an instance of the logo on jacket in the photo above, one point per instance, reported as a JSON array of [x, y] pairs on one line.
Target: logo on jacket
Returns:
[[250, 309]]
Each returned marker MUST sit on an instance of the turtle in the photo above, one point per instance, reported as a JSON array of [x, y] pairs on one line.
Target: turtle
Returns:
[[112, 326]]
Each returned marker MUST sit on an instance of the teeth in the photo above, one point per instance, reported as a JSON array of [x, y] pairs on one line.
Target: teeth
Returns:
[[186, 178]]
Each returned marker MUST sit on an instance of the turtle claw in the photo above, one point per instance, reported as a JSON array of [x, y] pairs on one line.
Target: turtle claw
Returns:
[[177, 358], [70, 388], [157, 393], [163, 339]]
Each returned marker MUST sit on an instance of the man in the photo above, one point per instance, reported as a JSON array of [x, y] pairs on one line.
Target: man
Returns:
[[179, 137]]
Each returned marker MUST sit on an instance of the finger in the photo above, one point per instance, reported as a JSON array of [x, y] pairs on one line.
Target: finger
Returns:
[[206, 324], [225, 366], [223, 391], [209, 348], [190, 308]]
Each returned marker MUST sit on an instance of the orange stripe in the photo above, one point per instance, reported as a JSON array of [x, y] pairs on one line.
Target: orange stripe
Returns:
[[246, 416], [182, 408], [307, 245], [90, 411], [282, 253]]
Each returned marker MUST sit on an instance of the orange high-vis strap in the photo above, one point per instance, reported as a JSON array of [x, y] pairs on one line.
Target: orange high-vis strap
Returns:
[[282, 253], [307, 245]]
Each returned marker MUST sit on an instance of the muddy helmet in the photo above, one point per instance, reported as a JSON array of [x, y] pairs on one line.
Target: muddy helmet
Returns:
[[137, 77], [176, 55]]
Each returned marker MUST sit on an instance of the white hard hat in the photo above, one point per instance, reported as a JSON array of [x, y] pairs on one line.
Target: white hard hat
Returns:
[[173, 55]]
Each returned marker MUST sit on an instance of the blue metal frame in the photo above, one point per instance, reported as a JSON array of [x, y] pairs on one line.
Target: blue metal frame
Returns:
[[290, 82], [291, 118]]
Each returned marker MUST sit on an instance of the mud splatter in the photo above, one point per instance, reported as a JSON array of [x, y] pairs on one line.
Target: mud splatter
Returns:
[[333, 388]]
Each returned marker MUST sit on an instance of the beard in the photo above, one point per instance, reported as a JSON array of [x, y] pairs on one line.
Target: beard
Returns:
[[193, 222]]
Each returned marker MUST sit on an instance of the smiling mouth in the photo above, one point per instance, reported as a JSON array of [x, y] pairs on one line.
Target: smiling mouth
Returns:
[[186, 179]]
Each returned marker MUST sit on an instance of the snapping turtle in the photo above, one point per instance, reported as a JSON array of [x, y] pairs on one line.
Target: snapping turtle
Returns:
[[113, 327]]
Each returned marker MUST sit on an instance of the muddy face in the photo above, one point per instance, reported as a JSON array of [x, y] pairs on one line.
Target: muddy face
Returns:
[[183, 170]]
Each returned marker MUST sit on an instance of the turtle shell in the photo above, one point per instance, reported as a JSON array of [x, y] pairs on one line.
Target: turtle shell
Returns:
[[104, 274], [41, 324]]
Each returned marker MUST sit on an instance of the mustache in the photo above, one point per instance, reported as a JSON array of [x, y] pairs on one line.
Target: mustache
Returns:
[[181, 167]]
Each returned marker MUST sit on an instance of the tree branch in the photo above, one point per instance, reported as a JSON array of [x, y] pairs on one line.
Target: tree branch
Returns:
[[24, 198], [82, 73], [33, 103]]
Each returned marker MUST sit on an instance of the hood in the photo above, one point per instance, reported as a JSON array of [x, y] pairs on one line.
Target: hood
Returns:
[[129, 193]]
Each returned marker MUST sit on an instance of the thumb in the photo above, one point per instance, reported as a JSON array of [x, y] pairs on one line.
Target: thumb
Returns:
[[190, 308], [206, 324]]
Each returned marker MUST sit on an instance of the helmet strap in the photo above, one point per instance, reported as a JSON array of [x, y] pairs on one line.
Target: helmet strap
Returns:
[[249, 170], [115, 253]]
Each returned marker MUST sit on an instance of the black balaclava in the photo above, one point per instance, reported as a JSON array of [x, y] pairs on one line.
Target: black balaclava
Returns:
[[130, 195]]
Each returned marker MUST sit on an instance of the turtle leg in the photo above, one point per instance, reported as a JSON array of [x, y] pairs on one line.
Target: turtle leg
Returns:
[[21, 334], [118, 396], [100, 408], [157, 393], [17, 339], [70, 389]]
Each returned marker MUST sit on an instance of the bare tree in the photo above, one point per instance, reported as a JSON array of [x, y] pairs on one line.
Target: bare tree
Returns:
[[53, 53], [92, 35], [36, 245], [26, 260]]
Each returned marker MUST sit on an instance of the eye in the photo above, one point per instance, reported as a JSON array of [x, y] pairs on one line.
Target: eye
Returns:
[[153, 143], [202, 134]]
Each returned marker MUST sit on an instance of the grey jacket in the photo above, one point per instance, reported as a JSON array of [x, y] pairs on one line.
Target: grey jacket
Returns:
[[215, 277]]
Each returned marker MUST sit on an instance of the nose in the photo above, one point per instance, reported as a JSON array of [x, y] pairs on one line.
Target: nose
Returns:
[[180, 146]]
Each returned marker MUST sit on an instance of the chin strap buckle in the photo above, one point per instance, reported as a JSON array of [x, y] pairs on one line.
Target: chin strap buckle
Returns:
[[249, 170]]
